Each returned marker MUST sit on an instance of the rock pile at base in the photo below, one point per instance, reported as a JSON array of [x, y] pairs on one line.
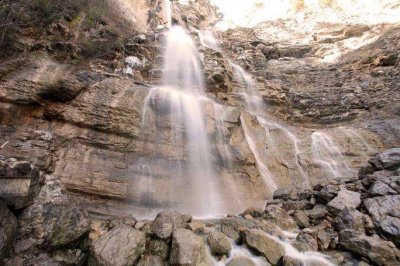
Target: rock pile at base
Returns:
[[353, 221]]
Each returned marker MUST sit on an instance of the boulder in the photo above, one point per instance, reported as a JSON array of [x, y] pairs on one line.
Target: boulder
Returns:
[[59, 223], [347, 219], [121, 246], [305, 242], [254, 212], [231, 227], [389, 159], [187, 249], [345, 198], [218, 243], [241, 261], [327, 193], [385, 213], [8, 228], [195, 226], [380, 189], [283, 193], [151, 261], [317, 213], [159, 248], [297, 205], [378, 251], [324, 240], [301, 219], [280, 217], [166, 222], [70, 256], [267, 245]]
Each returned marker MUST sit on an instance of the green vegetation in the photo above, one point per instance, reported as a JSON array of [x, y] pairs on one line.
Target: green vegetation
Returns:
[[92, 28]]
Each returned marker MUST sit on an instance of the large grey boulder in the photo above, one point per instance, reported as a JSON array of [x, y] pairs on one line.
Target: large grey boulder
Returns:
[[8, 228], [218, 243], [122, 246], [187, 249], [345, 198], [57, 222], [53, 217], [347, 219], [166, 222], [375, 249], [265, 244], [385, 213], [388, 159]]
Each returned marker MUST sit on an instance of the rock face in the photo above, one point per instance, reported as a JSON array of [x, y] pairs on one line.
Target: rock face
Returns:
[[8, 228], [121, 246], [187, 249], [20, 183], [73, 88]]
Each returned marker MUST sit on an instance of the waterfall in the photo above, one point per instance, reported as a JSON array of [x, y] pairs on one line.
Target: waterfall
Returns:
[[248, 85], [328, 155], [262, 167], [208, 39], [168, 13]]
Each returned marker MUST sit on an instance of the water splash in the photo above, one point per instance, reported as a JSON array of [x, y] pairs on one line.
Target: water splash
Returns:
[[328, 155]]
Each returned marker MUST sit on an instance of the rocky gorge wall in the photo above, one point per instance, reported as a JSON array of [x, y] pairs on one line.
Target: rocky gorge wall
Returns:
[[83, 123], [71, 104]]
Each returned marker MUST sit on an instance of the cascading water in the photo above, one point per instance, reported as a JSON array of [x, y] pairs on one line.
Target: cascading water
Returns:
[[328, 155], [300, 174], [181, 98], [208, 40]]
